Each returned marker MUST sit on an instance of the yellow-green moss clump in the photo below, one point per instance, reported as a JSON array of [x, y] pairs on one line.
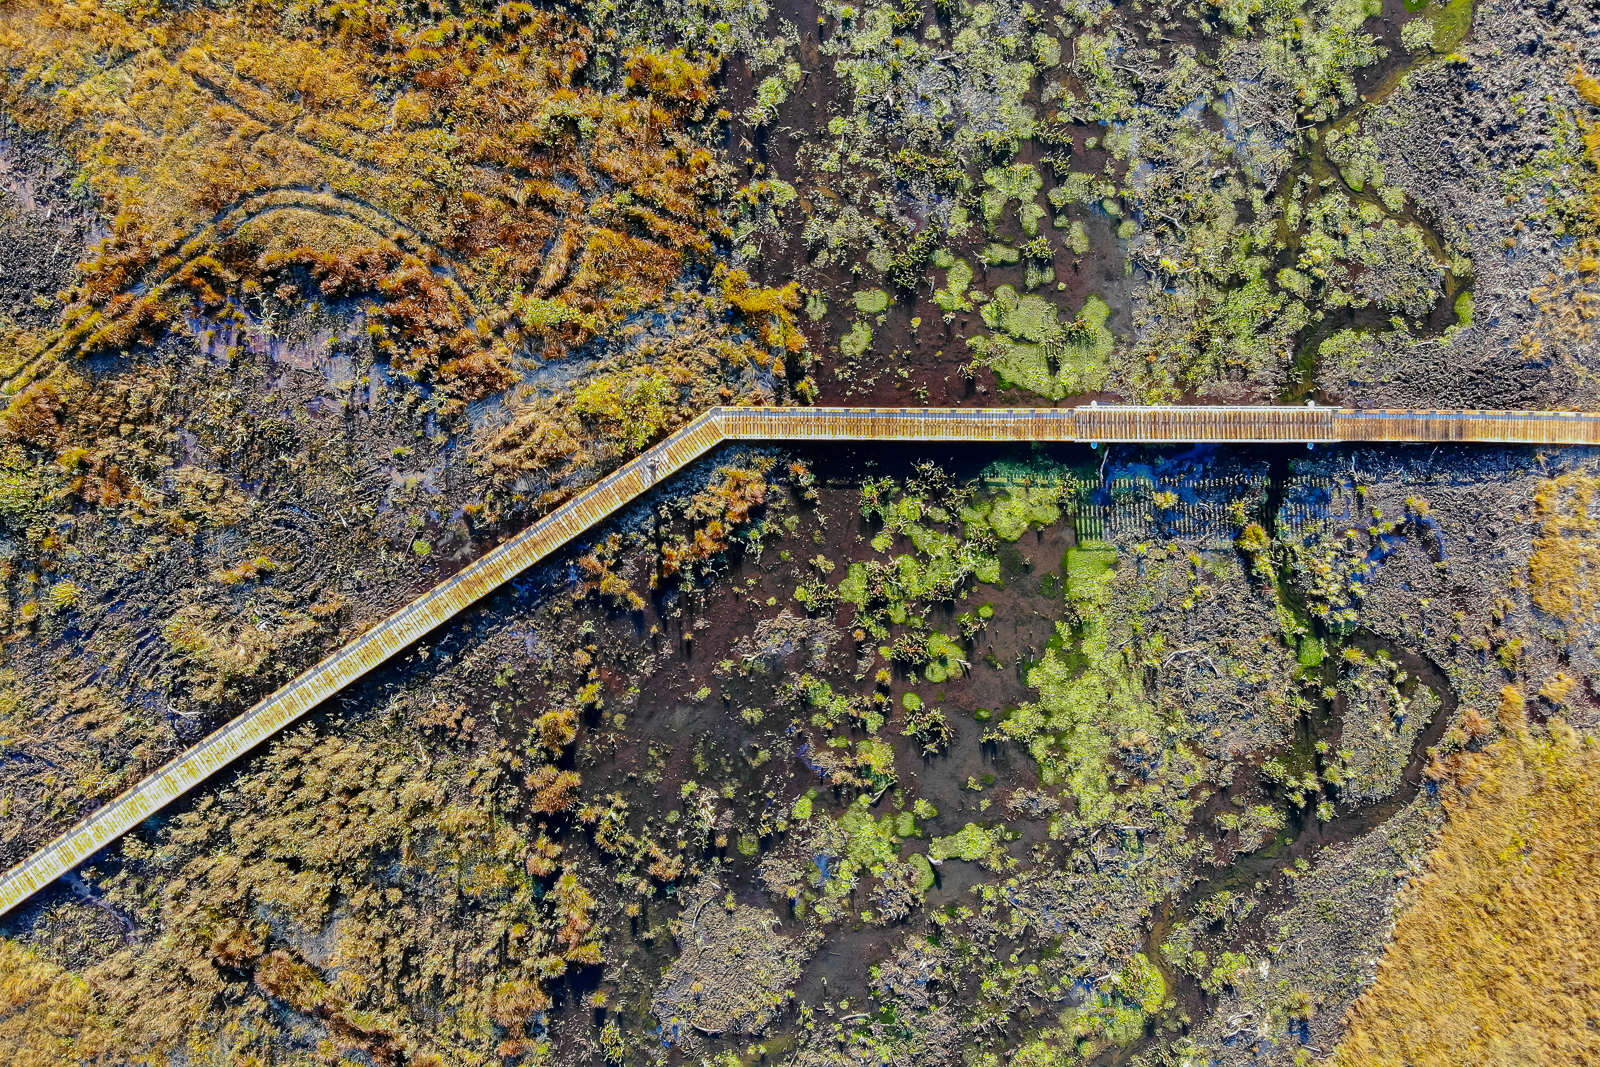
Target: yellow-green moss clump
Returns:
[[1012, 511], [1032, 349], [972, 842], [1115, 1015], [1088, 698]]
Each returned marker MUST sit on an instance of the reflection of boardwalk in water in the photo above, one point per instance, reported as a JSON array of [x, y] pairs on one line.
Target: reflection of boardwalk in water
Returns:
[[1175, 425]]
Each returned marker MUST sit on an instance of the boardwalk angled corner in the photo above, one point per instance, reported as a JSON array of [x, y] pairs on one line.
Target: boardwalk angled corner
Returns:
[[1094, 424]]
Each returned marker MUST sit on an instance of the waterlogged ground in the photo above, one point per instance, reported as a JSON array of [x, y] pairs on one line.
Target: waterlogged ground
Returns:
[[832, 756], [1033, 756]]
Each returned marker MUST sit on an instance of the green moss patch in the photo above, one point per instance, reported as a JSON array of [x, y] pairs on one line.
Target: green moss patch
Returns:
[[972, 842], [857, 341], [1032, 349], [1019, 182], [872, 301]]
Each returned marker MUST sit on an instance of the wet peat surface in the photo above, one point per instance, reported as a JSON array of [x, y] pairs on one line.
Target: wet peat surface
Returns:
[[920, 354], [672, 738], [687, 723]]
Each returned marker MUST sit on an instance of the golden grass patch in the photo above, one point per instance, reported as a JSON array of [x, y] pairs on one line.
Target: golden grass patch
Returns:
[[1564, 568], [1496, 959], [461, 177], [48, 1017]]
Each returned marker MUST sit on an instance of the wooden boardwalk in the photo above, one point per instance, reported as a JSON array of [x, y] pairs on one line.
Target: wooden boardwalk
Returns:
[[1096, 424]]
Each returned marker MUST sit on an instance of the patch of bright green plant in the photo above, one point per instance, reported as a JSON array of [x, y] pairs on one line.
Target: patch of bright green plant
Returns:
[[1019, 182], [872, 301], [857, 341], [972, 843], [1032, 349], [957, 278]]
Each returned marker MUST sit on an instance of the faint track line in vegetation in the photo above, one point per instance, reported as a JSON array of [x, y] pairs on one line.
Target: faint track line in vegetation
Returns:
[[1094, 424], [284, 128], [187, 250]]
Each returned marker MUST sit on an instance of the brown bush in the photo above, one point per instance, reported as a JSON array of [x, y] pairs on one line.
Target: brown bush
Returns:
[[48, 1016], [554, 791]]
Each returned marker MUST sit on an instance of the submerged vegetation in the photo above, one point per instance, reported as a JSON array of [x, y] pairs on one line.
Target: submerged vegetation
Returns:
[[1209, 177]]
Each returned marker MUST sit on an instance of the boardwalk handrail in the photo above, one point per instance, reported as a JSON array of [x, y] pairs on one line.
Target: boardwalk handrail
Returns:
[[1093, 423]]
